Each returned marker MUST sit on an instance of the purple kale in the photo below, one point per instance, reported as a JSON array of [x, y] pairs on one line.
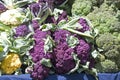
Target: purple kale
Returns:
[[2, 8], [83, 51], [39, 71], [21, 31], [84, 24], [64, 61]]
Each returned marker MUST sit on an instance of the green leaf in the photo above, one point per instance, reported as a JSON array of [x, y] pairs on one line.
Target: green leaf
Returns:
[[4, 27], [72, 41], [4, 39], [22, 45], [4, 53], [1, 48], [46, 27], [46, 62], [56, 13], [77, 61], [19, 4], [49, 44], [95, 54], [73, 25]]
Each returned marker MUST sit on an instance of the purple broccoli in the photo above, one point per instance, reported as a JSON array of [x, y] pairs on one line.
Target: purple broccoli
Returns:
[[64, 61], [21, 31], [35, 24], [60, 36], [39, 71], [83, 51], [84, 24]]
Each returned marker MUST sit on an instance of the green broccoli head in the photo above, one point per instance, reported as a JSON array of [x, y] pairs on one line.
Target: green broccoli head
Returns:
[[107, 41], [113, 53], [110, 45], [81, 7], [107, 66], [104, 19]]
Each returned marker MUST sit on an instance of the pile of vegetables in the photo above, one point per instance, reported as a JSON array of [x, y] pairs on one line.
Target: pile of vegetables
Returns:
[[59, 37]]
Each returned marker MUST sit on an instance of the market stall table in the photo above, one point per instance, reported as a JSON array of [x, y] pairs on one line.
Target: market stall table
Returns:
[[75, 76]]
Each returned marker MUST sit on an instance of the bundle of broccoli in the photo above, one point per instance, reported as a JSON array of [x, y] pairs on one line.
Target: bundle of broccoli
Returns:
[[105, 16]]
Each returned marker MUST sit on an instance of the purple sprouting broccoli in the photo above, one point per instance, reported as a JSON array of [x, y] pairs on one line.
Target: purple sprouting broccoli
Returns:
[[2, 8], [39, 71], [64, 61], [21, 31], [83, 51], [84, 24]]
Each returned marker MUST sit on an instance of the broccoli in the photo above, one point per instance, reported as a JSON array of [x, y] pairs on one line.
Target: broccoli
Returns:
[[107, 41], [107, 66], [84, 7], [110, 46], [81, 7], [105, 19]]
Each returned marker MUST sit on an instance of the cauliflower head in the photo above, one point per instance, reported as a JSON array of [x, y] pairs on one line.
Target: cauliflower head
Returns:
[[12, 17], [11, 63]]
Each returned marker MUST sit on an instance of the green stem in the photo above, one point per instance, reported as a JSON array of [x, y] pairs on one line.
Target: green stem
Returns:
[[79, 33]]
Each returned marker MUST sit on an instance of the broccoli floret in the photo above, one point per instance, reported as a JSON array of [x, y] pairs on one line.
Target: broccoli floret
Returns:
[[107, 41], [113, 53], [107, 66]]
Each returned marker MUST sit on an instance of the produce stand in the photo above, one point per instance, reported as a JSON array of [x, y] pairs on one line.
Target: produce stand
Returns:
[[75, 76]]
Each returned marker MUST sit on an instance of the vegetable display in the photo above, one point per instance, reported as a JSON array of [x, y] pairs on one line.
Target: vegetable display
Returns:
[[43, 37]]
